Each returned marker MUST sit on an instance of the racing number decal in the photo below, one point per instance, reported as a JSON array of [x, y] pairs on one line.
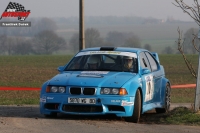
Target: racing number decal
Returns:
[[149, 88]]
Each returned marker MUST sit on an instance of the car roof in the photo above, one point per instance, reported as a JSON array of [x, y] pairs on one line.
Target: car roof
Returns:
[[123, 49]]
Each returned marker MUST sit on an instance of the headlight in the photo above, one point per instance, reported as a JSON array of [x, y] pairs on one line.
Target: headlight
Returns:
[[61, 89], [55, 89], [106, 90], [113, 91]]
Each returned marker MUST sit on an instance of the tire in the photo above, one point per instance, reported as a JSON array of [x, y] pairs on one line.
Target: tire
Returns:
[[167, 101], [52, 115], [137, 109]]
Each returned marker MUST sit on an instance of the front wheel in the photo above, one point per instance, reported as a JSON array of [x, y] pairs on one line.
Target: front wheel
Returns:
[[167, 101], [137, 109]]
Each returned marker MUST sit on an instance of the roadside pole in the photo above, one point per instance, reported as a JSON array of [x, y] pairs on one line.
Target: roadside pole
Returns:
[[197, 94], [81, 25]]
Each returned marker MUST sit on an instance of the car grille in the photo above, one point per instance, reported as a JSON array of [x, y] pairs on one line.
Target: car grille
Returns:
[[79, 108], [84, 91]]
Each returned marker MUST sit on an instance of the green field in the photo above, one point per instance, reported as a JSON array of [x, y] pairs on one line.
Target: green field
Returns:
[[32, 71], [160, 45]]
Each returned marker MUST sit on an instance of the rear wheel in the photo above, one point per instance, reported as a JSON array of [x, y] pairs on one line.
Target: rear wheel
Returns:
[[167, 101], [137, 109]]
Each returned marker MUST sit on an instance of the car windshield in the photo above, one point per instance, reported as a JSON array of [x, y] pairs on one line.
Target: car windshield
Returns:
[[103, 62]]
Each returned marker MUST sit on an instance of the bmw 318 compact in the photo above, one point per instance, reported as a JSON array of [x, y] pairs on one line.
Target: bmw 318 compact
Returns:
[[126, 82]]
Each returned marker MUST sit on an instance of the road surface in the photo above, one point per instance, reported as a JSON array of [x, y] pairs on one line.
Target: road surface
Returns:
[[27, 119]]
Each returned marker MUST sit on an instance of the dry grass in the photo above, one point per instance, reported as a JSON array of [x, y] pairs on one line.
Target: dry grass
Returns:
[[19, 97], [29, 71], [176, 69], [183, 95]]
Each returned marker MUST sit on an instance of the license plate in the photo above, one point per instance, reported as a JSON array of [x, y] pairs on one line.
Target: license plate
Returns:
[[82, 100]]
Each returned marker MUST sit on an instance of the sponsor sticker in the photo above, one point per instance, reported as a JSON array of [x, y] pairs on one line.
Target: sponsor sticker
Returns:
[[149, 88], [107, 52], [126, 103], [50, 98], [94, 72], [115, 101], [43, 99]]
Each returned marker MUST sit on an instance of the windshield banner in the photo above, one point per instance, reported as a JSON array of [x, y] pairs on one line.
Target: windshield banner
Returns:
[[107, 52]]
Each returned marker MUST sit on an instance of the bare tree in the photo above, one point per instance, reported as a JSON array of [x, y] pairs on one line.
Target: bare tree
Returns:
[[148, 47], [187, 62], [133, 41], [189, 35], [115, 38], [3, 39], [22, 46], [37, 25], [194, 12], [9, 45], [15, 45], [74, 42], [47, 42], [168, 50], [92, 37]]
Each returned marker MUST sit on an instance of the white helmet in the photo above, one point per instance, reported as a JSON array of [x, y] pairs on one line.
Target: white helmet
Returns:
[[93, 60]]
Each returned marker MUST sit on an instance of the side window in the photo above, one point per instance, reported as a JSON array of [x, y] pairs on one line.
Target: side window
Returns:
[[76, 63], [152, 62], [144, 63]]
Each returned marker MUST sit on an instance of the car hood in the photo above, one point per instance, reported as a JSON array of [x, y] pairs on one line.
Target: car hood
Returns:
[[92, 78]]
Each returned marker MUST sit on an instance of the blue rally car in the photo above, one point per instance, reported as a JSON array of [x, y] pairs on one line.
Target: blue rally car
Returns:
[[108, 80]]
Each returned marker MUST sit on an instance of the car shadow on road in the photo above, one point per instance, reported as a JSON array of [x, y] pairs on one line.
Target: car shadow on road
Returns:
[[32, 111], [20, 111]]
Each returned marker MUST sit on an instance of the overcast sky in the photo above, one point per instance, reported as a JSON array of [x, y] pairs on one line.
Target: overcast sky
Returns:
[[160, 9]]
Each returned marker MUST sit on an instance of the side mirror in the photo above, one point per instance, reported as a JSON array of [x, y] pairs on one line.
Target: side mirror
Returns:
[[145, 71], [60, 68]]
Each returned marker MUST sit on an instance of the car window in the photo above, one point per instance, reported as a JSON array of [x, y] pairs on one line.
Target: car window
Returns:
[[110, 59], [144, 63], [152, 62], [104, 62], [76, 62]]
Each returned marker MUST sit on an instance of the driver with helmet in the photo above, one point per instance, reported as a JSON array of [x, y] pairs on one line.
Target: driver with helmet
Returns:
[[93, 62], [128, 63]]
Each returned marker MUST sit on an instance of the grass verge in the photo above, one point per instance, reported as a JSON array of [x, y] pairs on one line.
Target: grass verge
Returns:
[[177, 116], [183, 115]]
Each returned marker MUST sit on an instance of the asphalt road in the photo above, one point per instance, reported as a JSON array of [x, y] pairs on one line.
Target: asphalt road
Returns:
[[27, 119]]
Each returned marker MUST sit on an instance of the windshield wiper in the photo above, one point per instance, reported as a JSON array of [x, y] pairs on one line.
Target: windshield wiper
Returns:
[[75, 70]]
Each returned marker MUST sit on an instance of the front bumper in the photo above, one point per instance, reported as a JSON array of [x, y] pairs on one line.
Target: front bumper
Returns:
[[118, 105]]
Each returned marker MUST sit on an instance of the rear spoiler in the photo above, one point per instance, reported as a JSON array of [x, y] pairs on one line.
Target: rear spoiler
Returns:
[[155, 55]]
